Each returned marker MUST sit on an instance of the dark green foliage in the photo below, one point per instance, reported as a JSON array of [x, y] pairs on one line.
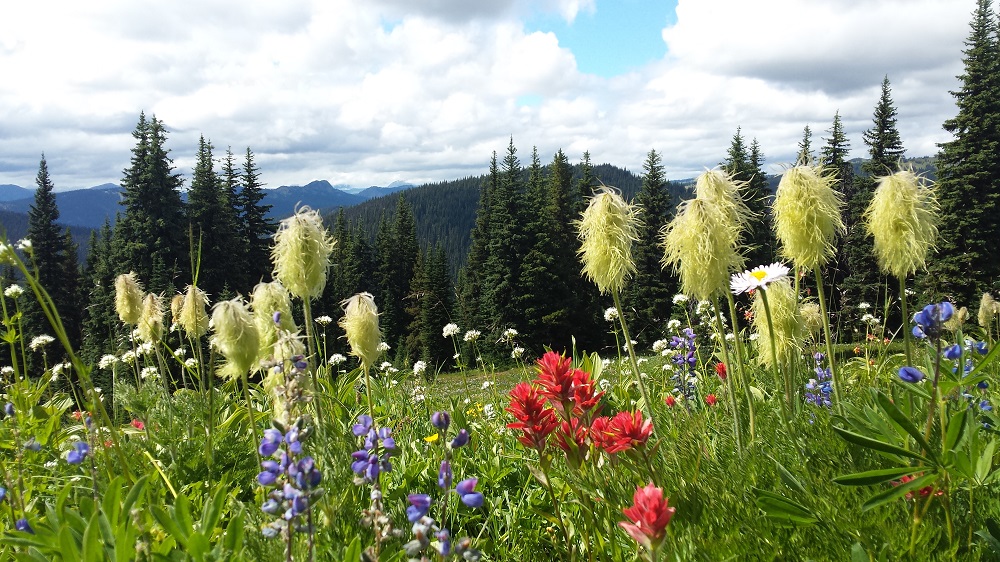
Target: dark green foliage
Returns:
[[100, 322], [745, 166], [833, 156], [255, 228], [396, 254], [434, 303], [805, 155], [968, 188], [212, 225], [650, 292], [863, 281], [151, 237]]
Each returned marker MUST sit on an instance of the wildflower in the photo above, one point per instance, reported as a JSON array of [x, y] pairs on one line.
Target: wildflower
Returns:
[[711, 400], [911, 374], [757, 278], [433, 438], [80, 451], [517, 352], [128, 298], [23, 526], [13, 291], [902, 220], [136, 423], [659, 346], [193, 317], [38, 342], [680, 298], [952, 352], [472, 335], [271, 304], [607, 229], [783, 305], [383, 347], [419, 506], [648, 517], [534, 420], [441, 420], [323, 320], [236, 337], [807, 215], [190, 362], [701, 245], [720, 369], [468, 495], [610, 314], [301, 253], [988, 310], [570, 390], [6, 253], [450, 329], [150, 325], [627, 430], [870, 319], [670, 401], [460, 440], [508, 335], [419, 368], [445, 475], [337, 359], [931, 318], [360, 322]]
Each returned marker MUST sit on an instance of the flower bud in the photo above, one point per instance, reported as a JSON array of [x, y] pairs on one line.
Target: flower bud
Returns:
[[301, 253], [360, 322], [128, 298], [441, 420]]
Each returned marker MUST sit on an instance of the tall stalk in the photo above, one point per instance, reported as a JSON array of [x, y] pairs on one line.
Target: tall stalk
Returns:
[[742, 370], [729, 381], [829, 341], [775, 369]]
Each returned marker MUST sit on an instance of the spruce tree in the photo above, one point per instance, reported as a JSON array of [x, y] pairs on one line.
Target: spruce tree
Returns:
[[255, 227], [864, 282], [651, 291], [805, 156], [833, 156], [968, 188], [471, 294], [506, 247], [211, 225], [436, 303], [238, 278], [100, 323], [745, 167]]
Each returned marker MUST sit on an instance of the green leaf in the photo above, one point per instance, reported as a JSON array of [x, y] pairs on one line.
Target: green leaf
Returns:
[[897, 492], [92, 551], [877, 445], [858, 553], [789, 479], [956, 429], [111, 504], [985, 462], [67, 545], [903, 422], [167, 522], [352, 551], [870, 477], [233, 541], [133, 494], [182, 514], [213, 509], [783, 509]]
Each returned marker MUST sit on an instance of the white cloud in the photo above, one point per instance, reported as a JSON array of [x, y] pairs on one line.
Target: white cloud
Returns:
[[372, 92]]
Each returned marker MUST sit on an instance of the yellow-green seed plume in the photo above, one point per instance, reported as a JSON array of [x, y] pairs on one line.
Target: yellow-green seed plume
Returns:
[[607, 229], [235, 337], [719, 188], [902, 218], [176, 304], [128, 298], [988, 309], [788, 328], [193, 317], [807, 215], [701, 243], [150, 324], [266, 299], [360, 322], [812, 319], [957, 320], [301, 253]]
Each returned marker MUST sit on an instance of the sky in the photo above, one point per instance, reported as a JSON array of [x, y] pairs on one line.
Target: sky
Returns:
[[377, 91]]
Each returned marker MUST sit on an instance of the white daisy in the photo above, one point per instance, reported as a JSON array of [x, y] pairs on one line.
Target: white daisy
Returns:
[[757, 278]]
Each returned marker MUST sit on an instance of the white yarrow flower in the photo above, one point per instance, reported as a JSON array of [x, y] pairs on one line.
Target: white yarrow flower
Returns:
[[107, 361], [680, 298], [660, 345], [41, 341], [516, 353], [450, 330], [472, 335], [337, 359], [611, 314], [190, 362], [323, 320], [13, 291], [419, 368], [383, 347]]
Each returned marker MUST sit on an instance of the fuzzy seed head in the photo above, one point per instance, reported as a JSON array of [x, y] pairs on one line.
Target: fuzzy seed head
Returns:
[[812, 318], [788, 326], [807, 215], [151, 319], [360, 322], [128, 298], [988, 310], [193, 317], [235, 337], [607, 229], [701, 244], [301, 253], [266, 299], [902, 218], [719, 188]]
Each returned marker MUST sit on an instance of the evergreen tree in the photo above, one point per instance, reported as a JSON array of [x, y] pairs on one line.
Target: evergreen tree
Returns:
[[211, 225], [396, 248], [255, 227], [237, 279], [435, 309], [651, 291], [151, 237], [864, 282], [760, 238], [471, 276], [833, 156], [100, 323], [965, 264], [587, 316], [805, 155], [505, 248]]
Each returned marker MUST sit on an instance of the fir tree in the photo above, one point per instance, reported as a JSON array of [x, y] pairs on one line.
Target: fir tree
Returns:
[[435, 309], [760, 239], [471, 276], [255, 227], [506, 247], [211, 225], [100, 322], [833, 156], [805, 155], [652, 289], [47, 249], [965, 264]]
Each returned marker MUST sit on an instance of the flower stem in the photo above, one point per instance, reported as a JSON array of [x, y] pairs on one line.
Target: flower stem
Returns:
[[774, 355], [820, 294], [631, 352], [729, 381], [741, 367]]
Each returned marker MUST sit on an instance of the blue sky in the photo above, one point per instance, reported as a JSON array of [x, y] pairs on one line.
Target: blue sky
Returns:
[[614, 38]]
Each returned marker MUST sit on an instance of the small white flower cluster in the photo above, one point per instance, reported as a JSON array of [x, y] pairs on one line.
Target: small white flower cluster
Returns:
[[190, 362], [419, 368], [13, 291], [516, 353], [383, 347], [107, 361], [680, 298], [60, 368], [487, 385], [508, 335], [323, 320], [450, 330], [673, 325], [472, 335], [337, 359], [7, 370], [388, 368], [417, 394], [128, 357], [870, 319], [611, 314], [149, 372], [25, 245], [704, 308], [40, 341], [180, 352], [659, 346], [625, 347], [604, 384], [641, 360], [864, 306], [489, 411]]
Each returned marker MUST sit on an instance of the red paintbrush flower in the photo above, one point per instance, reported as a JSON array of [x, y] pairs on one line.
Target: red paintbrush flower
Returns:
[[671, 401], [572, 436], [570, 391], [648, 517], [534, 419], [711, 400], [599, 432], [627, 430], [720, 369]]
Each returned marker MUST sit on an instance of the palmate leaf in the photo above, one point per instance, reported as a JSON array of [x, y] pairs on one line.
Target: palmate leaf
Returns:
[[877, 445], [871, 477], [783, 509], [896, 492]]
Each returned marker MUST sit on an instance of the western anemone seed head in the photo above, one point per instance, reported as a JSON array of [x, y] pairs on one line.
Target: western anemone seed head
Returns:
[[360, 322], [701, 244], [266, 300], [175, 308], [235, 337], [150, 324], [718, 187], [988, 310], [301, 253], [782, 301], [807, 215], [607, 229], [812, 318], [193, 316], [902, 218], [128, 298], [957, 320]]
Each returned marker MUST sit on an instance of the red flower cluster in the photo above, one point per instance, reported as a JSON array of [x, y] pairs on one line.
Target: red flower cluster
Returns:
[[648, 517], [711, 400], [534, 420], [571, 391], [720, 369], [922, 492], [625, 431]]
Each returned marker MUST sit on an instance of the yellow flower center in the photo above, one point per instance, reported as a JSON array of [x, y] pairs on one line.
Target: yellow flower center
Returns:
[[758, 275]]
